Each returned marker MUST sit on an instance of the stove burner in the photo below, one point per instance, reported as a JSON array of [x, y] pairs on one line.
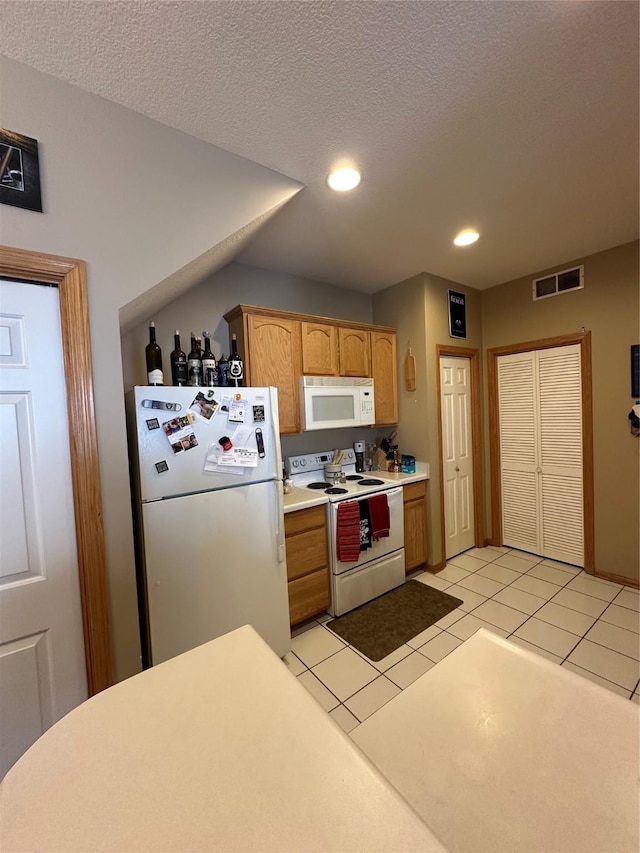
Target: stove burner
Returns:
[[318, 485], [371, 482], [354, 477], [336, 491]]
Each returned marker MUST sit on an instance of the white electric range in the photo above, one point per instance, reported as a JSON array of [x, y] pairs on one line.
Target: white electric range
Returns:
[[379, 567]]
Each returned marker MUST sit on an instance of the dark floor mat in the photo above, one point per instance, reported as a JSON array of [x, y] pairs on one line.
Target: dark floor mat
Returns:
[[383, 625]]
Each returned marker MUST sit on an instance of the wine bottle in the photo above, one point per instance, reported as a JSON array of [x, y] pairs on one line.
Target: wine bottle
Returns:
[[223, 378], [194, 363], [179, 373], [153, 356], [209, 372], [235, 368]]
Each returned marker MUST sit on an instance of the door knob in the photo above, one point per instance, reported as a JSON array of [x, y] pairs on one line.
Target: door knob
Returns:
[[457, 469]]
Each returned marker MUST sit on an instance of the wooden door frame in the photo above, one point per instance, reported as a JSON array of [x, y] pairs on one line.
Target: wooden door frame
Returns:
[[70, 277], [476, 440], [583, 339]]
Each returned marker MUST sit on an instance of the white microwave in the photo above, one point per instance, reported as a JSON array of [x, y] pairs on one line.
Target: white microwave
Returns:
[[329, 402]]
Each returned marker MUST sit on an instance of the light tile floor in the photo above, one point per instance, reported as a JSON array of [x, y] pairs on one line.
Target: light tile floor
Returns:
[[585, 624]]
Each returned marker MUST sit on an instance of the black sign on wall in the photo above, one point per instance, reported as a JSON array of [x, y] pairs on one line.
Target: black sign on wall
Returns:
[[635, 371], [457, 315]]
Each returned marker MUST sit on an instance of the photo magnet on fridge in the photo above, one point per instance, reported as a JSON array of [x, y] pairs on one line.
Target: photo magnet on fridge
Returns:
[[258, 414], [180, 433], [204, 405]]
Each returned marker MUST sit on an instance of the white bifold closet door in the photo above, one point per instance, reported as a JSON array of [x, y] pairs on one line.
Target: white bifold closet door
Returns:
[[540, 410]]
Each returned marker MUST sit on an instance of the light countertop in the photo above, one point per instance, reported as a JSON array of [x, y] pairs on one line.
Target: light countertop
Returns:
[[500, 750], [218, 749], [301, 498]]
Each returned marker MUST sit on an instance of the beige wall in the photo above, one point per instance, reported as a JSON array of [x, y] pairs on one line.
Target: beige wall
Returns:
[[419, 309], [203, 308], [608, 307], [137, 201]]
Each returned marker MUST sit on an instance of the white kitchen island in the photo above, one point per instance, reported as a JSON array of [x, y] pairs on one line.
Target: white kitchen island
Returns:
[[219, 749], [502, 751]]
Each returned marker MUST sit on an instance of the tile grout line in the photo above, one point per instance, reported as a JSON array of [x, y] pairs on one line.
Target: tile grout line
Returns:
[[548, 601], [498, 555]]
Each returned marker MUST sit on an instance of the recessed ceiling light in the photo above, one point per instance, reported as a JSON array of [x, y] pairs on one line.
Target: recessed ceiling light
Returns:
[[343, 179], [466, 237]]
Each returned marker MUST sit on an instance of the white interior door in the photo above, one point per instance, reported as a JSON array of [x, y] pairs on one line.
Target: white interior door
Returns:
[[457, 456], [540, 405], [42, 665]]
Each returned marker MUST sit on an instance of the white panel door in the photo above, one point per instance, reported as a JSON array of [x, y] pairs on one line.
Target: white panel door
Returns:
[[457, 456], [540, 419], [42, 665]]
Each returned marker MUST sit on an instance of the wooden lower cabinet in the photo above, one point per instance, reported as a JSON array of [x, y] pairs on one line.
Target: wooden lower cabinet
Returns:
[[307, 563], [415, 525]]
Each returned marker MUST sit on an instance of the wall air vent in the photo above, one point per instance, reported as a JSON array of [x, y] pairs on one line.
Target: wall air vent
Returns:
[[558, 282]]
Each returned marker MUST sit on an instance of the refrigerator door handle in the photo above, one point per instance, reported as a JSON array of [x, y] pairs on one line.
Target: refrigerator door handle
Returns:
[[275, 427], [280, 523]]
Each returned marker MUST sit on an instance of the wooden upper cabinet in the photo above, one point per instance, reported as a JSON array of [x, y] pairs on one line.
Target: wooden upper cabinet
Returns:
[[355, 349], [270, 347], [319, 349], [384, 370], [275, 360], [278, 347]]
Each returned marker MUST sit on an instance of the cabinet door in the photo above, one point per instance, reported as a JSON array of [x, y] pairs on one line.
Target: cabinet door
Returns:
[[308, 596], [275, 360], [415, 526], [307, 563], [355, 347], [319, 349], [384, 369]]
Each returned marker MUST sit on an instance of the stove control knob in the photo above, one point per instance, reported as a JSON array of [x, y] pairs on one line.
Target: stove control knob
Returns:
[[295, 463], [303, 462]]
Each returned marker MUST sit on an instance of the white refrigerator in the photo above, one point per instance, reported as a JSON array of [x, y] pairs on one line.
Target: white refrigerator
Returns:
[[206, 471]]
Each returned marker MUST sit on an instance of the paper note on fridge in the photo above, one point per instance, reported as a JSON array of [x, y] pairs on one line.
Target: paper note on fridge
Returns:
[[232, 461], [242, 436], [242, 456], [237, 411]]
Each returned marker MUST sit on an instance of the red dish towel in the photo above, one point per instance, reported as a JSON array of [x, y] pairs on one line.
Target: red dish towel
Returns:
[[348, 532], [379, 512]]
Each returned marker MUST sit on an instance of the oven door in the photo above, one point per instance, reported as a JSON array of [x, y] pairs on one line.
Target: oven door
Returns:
[[387, 545]]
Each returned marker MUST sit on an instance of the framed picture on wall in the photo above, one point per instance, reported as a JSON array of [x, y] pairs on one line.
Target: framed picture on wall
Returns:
[[457, 315], [19, 171], [635, 371]]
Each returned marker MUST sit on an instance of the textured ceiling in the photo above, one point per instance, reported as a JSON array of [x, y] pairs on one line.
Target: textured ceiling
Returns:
[[518, 118]]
